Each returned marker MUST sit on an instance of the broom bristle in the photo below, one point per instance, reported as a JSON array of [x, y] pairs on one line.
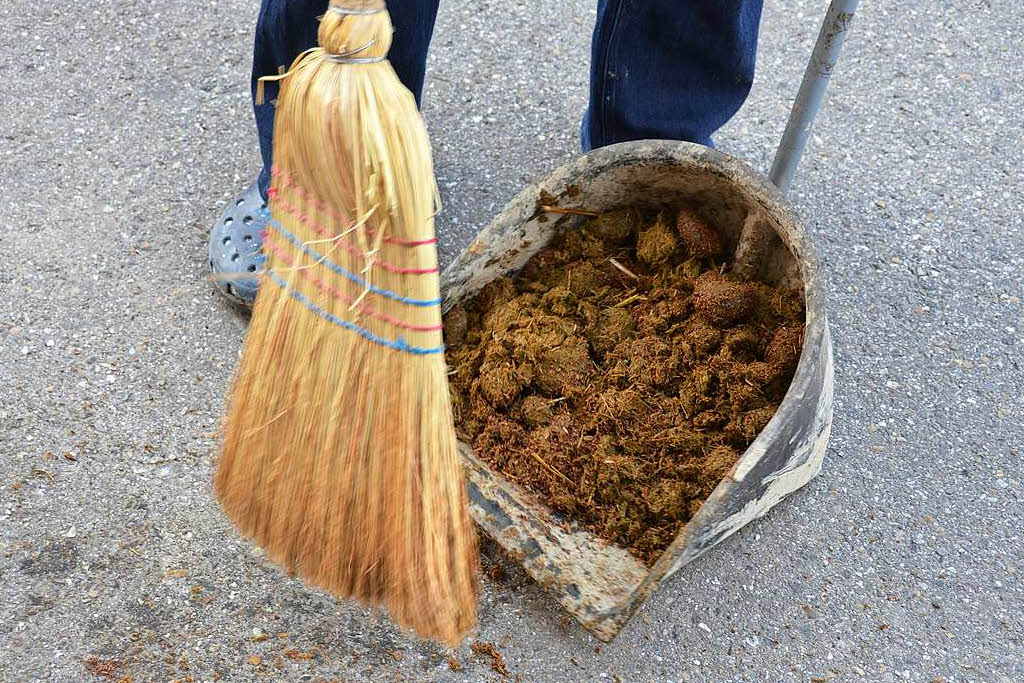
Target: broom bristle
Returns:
[[339, 452]]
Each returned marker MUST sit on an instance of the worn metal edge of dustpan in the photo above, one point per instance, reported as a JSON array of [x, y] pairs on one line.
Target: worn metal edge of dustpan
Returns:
[[599, 583]]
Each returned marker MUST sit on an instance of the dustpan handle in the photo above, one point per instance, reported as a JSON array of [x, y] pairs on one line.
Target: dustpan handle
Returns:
[[812, 91]]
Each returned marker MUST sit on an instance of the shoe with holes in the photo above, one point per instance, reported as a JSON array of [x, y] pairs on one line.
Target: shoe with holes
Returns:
[[236, 242]]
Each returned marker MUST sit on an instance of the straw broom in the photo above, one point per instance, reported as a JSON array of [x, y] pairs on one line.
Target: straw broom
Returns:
[[339, 451]]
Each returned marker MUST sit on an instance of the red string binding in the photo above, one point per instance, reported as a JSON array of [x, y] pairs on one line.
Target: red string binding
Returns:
[[286, 181], [323, 231], [325, 288]]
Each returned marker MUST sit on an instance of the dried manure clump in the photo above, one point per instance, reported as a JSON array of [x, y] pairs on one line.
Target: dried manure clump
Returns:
[[621, 373]]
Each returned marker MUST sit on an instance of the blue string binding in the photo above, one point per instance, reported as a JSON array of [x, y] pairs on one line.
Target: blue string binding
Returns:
[[397, 344], [313, 254]]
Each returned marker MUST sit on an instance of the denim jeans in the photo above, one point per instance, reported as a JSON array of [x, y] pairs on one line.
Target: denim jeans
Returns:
[[662, 69]]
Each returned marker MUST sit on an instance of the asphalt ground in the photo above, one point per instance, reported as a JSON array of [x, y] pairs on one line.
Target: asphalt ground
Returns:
[[125, 126]]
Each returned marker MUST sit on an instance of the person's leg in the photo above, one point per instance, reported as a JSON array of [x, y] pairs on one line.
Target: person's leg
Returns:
[[668, 69], [285, 28]]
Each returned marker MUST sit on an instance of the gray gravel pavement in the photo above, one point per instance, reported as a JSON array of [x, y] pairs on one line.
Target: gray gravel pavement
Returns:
[[125, 125]]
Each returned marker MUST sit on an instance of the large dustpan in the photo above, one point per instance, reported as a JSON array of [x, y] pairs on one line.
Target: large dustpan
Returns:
[[601, 584]]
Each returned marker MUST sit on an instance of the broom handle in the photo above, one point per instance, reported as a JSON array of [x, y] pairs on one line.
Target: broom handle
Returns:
[[812, 91]]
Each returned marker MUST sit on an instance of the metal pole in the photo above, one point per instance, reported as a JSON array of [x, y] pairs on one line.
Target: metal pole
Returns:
[[812, 91]]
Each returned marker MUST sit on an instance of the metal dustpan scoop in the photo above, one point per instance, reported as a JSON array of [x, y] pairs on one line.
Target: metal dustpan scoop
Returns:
[[599, 583]]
